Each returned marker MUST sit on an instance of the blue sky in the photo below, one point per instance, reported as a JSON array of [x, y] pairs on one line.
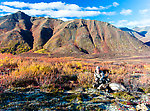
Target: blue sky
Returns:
[[121, 13]]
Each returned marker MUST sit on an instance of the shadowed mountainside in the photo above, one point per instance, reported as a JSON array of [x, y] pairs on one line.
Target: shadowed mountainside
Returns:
[[146, 31], [142, 33], [20, 33], [134, 33]]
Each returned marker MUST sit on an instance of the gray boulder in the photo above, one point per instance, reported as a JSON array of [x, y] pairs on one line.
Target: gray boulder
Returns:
[[142, 107], [117, 87]]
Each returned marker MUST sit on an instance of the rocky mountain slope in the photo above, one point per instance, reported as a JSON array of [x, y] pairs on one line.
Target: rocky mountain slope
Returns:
[[20, 33]]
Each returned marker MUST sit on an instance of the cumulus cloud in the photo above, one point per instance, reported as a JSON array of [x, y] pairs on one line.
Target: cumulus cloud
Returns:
[[126, 12], [91, 8], [115, 4], [61, 13], [68, 13], [144, 11], [43, 6], [4, 14], [34, 12], [121, 23], [65, 19], [54, 9], [103, 8], [108, 13], [7, 9], [16, 4]]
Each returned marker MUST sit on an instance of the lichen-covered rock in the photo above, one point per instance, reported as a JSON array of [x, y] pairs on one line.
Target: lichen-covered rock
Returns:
[[142, 107], [117, 87]]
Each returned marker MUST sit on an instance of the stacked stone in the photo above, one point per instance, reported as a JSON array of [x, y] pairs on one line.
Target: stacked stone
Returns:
[[101, 81]]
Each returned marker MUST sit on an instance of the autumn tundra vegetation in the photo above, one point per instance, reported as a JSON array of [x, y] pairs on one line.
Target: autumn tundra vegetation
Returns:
[[64, 74]]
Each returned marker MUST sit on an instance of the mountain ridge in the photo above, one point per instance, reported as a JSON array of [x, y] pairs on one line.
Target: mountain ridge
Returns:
[[78, 36]]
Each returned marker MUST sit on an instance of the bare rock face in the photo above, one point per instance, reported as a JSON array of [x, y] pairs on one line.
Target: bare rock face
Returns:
[[73, 37]]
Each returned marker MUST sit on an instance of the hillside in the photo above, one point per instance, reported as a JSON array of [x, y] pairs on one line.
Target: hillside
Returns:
[[21, 33]]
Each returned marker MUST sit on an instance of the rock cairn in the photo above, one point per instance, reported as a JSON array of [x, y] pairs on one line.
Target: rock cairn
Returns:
[[101, 81]]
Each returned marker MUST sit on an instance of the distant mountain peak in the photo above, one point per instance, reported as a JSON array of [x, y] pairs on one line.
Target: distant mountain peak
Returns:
[[20, 15], [19, 12]]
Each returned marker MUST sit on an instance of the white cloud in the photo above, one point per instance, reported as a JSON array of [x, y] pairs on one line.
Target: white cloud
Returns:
[[5, 14], [115, 4], [126, 23], [91, 8], [121, 23], [144, 11], [16, 4], [69, 13], [61, 13], [108, 13], [143, 22], [34, 12], [65, 19], [44, 6], [54, 9], [7, 9], [103, 8], [126, 12]]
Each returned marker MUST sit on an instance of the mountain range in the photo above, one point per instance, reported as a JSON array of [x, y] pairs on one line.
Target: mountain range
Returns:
[[142, 33], [21, 33]]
